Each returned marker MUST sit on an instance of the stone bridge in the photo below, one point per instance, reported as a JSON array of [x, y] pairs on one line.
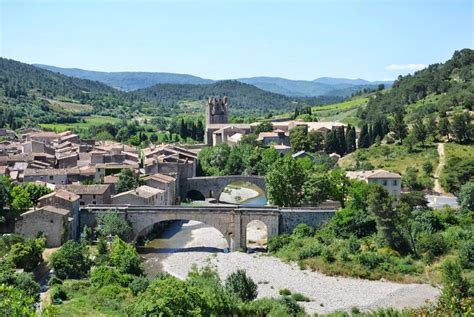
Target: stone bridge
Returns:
[[212, 186], [231, 221]]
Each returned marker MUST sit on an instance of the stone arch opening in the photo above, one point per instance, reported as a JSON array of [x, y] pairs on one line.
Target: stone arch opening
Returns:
[[195, 194], [242, 193], [180, 236], [256, 235]]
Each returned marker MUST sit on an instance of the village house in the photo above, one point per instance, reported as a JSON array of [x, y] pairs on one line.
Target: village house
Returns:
[[392, 182], [91, 194], [274, 137], [143, 195], [164, 182]]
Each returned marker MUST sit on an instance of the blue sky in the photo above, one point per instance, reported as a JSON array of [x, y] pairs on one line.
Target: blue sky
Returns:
[[230, 39]]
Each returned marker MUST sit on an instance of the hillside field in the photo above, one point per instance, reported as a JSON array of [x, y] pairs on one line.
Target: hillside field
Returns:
[[88, 121]]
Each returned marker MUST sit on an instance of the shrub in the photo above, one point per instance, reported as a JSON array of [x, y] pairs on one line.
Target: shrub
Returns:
[[300, 297], [292, 306], [71, 261], [104, 275], [370, 259], [58, 293], [353, 245], [466, 254], [139, 285], [125, 257], [432, 244], [242, 286], [303, 230], [309, 251], [328, 255], [111, 296], [456, 288], [53, 280], [277, 242], [112, 224], [285, 292], [28, 254]]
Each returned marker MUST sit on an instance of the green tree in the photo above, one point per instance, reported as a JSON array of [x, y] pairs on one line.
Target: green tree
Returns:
[[316, 141], [35, 191], [428, 167], [444, 127], [431, 127], [110, 223], [419, 130], [364, 139], [316, 189], [379, 204], [466, 196], [125, 258], [299, 138], [170, 297], [28, 254], [462, 127], [284, 182], [127, 181], [20, 200], [399, 126], [264, 126], [410, 141], [241, 285], [5, 195], [456, 288], [339, 186], [71, 261], [13, 302], [351, 139]]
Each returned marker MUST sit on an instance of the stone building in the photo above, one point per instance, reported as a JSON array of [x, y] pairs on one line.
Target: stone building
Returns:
[[55, 223], [143, 195], [91, 194], [392, 182], [164, 182]]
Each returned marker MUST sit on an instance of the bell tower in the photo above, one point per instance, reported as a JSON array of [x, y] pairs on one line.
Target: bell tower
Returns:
[[217, 110]]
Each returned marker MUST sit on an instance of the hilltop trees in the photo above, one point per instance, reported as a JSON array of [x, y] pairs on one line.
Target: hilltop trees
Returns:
[[398, 126]]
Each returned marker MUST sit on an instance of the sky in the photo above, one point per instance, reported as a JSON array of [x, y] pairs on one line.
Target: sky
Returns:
[[295, 39]]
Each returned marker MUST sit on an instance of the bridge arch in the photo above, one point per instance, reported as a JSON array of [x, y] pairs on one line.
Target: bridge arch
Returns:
[[213, 186]]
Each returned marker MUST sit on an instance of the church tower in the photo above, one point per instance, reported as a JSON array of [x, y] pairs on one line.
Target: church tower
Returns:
[[217, 110]]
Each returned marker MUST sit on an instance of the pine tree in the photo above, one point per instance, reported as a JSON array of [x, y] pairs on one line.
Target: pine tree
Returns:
[[364, 141], [444, 127], [399, 126]]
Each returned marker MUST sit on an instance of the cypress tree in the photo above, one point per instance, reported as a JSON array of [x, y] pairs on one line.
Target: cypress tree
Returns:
[[341, 141], [364, 141]]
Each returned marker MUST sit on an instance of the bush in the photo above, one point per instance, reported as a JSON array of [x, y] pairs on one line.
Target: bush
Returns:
[[53, 280], [103, 276], [285, 292], [28, 254], [432, 244], [112, 297], [275, 243], [328, 255], [370, 259], [58, 293], [300, 297], [242, 286], [125, 257], [303, 230], [71, 261], [309, 251], [466, 254], [139, 285], [112, 224], [292, 306]]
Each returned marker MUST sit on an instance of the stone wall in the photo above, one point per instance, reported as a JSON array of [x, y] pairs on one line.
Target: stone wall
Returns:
[[290, 218], [212, 186]]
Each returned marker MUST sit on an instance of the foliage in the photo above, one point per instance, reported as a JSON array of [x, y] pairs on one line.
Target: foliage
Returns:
[[35, 191], [466, 196], [303, 230], [104, 275], [455, 289], [138, 285], [127, 181], [20, 200], [125, 258], [71, 261], [242, 286], [288, 192], [28, 254], [111, 223], [13, 302], [458, 172]]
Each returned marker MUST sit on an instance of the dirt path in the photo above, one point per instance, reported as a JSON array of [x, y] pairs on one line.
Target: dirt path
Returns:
[[442, 158]]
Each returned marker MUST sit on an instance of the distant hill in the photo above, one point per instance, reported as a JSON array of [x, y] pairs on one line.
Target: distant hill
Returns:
[[129, 81], [242, 96]]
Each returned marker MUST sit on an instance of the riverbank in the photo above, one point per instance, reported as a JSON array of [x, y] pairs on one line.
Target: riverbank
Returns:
[[197, 244]]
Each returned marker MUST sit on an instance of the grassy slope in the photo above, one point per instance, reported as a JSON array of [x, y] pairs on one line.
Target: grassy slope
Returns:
[[89, 121], [398, 160]]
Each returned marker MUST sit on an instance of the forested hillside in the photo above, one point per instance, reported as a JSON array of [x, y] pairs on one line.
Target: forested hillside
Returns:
[[245, 99], [435, 89]]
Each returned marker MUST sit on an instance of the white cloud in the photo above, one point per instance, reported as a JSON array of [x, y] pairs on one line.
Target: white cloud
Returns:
[[409, 67]]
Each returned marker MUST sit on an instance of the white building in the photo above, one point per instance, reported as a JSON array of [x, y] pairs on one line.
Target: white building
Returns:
[[392, 182]]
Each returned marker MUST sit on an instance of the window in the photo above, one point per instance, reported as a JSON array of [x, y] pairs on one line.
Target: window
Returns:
[[93, 196], [93, 202], [81, 203], [51, 177], [384, 182], [394, 183]]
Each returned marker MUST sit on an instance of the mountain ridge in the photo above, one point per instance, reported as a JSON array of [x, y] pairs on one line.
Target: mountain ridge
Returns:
[[129, 81]]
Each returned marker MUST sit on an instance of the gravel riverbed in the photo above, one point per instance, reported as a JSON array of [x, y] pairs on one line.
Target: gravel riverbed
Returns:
[[327, 293]]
